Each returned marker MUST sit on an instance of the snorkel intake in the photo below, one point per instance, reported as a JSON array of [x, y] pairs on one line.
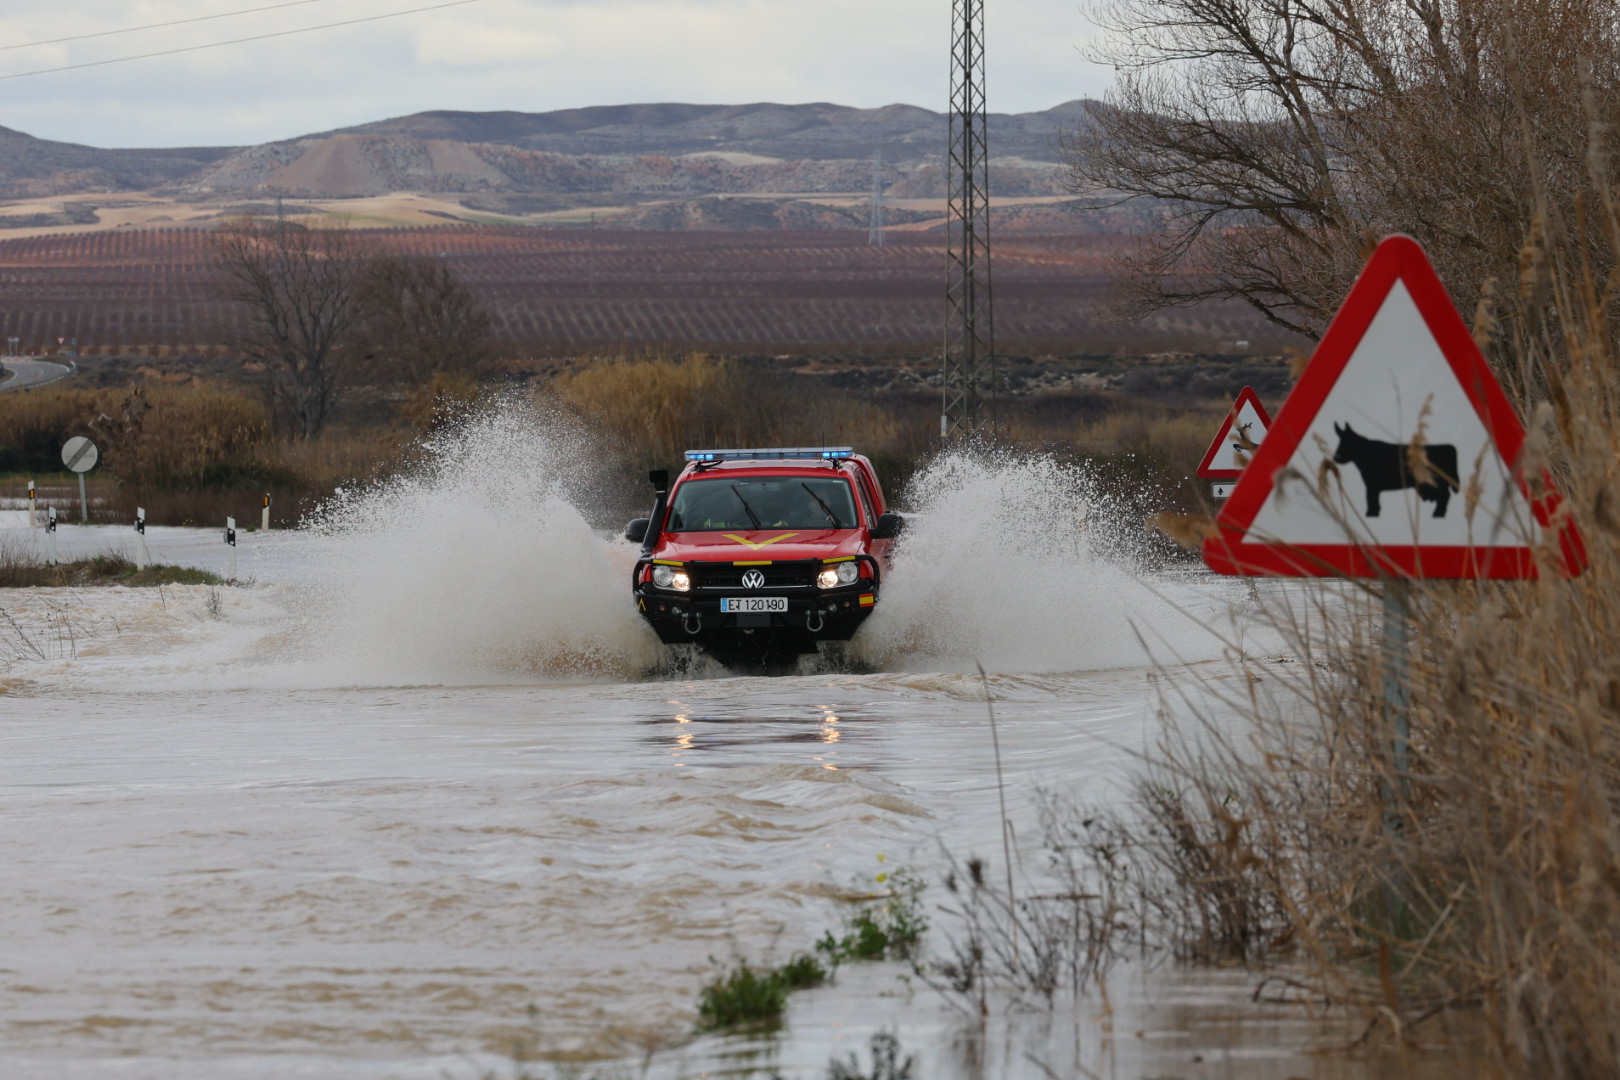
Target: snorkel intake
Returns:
[[655, 527]]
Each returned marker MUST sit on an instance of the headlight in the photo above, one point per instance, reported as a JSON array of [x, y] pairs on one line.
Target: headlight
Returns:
[[842, 574], [666, 577]]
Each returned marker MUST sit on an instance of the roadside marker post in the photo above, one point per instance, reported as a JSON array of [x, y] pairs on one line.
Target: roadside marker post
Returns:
[[264, 518], [50, 533], [1235, 443], [32, 523], [230, 538], [1395, 457], [143, 557]]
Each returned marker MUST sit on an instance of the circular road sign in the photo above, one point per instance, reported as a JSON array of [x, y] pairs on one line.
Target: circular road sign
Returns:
[[80, 454]]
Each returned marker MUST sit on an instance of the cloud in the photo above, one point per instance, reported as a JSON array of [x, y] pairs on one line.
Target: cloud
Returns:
[[529, 55]]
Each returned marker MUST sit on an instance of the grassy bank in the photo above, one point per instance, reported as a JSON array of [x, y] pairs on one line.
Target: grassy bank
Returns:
[[21, 571]]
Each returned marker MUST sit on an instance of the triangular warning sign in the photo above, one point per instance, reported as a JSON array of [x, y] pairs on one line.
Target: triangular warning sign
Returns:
[[1245, 425], [1394, 454]]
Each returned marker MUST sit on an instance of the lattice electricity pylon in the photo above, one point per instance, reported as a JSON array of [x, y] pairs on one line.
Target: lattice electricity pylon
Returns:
[[874, 232], [970, 342]]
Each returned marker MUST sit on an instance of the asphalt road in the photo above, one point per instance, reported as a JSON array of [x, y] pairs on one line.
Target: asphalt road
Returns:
[[27, 371]]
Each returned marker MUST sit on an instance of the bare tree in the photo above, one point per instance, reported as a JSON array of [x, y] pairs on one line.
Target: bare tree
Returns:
[[296, 290], [418, 319], [1275, 138]]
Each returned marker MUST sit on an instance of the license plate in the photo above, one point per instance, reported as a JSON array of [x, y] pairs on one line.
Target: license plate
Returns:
[[748, 605]]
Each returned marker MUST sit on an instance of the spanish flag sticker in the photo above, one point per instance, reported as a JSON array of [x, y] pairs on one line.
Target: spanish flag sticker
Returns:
[[868, 600]]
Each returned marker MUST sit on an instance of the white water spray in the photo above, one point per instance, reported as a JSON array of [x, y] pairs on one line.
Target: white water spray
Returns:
[[1009, 560], [478, 566]]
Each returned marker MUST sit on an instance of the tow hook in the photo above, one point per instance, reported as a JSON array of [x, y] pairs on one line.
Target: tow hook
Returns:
[[816, 625], [692, 624]]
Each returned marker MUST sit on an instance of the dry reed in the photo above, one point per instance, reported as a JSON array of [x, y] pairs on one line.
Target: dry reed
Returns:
[[1485, 874]]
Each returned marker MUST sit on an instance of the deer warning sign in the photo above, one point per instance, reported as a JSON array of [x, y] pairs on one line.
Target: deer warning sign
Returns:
[[1396, 453], [1238, 438]]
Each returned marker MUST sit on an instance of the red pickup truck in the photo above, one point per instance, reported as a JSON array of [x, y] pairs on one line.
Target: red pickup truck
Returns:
[[757, 555]]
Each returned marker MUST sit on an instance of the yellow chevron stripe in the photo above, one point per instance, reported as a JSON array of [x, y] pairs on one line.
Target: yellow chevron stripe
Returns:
[[750, 545]]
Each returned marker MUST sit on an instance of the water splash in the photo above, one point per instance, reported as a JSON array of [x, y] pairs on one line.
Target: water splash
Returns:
[[478, 565], [1014, 561]]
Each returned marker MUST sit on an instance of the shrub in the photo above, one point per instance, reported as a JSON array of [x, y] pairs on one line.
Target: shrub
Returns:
[[654, 409], [157, 438], [888, 927], [745, 996]]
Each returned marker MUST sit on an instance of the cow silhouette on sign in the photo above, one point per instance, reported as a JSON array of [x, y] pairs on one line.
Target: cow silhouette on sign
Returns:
[[1385, 467]]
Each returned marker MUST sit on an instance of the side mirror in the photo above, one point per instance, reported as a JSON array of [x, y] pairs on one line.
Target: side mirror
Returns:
[[888, 526], [636, 531]]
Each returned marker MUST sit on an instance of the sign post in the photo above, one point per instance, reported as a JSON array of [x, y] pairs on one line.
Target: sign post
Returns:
[[1235, 443], [80, 455]]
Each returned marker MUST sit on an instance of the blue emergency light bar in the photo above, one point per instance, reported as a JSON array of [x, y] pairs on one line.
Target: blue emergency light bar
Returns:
[[780, 453]]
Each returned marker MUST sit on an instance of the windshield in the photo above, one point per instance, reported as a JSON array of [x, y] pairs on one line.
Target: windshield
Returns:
[[762, 502]]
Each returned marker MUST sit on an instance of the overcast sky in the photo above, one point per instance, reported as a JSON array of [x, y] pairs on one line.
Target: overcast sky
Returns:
[[526, 55]]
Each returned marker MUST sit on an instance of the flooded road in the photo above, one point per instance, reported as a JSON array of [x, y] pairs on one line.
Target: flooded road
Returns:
[[390, 812], [253, 875]]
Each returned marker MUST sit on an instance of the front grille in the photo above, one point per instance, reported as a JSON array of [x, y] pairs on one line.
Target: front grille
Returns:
[[724, 577]]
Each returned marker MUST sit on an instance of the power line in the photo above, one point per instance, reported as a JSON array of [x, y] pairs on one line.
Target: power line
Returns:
[[237, 41], [157, 26]]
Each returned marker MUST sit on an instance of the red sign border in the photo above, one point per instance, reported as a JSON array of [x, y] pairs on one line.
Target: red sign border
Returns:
[[1247, 394], [1397, 258]]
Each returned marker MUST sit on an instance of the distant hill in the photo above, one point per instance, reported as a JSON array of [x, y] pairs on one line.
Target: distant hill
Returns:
[[32, 167], [819, 131], [622, 154]]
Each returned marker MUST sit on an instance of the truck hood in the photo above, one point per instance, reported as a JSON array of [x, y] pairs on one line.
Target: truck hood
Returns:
[[751, 545]]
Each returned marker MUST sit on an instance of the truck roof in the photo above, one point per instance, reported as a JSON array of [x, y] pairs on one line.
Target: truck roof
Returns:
[[789, 461], [797, 467]]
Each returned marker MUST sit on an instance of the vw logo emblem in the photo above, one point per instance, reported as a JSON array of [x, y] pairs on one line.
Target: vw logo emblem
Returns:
[[753, 579]]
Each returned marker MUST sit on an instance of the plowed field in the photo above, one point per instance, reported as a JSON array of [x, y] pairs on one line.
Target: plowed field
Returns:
[[555, 291]]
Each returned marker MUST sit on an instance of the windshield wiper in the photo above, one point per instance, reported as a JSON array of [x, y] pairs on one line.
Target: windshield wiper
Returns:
[[824, 507], [749, 510]]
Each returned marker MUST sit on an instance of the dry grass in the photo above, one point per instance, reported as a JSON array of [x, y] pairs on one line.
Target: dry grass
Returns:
[[1484, 872], [21, 570], [654, 409], [191, 454]]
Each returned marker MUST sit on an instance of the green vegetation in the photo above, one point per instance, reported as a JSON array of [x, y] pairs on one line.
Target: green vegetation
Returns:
[[749, 997], [23, 571], [889, 928]]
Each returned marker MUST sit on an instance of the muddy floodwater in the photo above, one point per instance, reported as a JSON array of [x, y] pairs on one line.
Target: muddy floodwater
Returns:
[[422, 793]]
